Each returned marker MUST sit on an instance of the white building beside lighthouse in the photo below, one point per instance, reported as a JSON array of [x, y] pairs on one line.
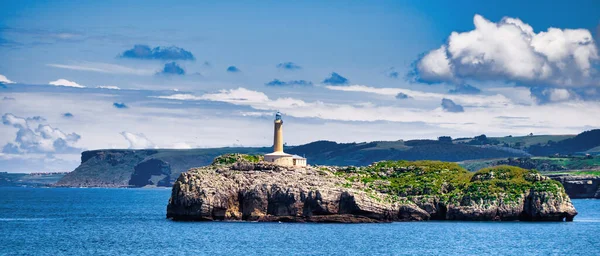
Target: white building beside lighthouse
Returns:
[[278, 156]]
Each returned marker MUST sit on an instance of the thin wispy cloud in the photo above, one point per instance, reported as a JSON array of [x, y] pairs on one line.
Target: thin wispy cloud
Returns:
[[496, 100], [108, 87], [104, 68], [448, 114], [277, 82], [464, 89]]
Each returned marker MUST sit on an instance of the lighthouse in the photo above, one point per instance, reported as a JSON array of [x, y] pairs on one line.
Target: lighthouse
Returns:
[[278, 137], [278, 156]]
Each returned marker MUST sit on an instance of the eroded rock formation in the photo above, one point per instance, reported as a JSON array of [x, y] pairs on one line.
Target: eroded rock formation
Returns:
[[152, 172], [260, 191]]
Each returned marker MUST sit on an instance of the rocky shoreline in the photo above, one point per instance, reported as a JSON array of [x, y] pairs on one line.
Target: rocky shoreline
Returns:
[[383, 192]]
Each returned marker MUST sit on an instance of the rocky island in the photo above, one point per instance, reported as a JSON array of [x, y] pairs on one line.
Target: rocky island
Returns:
[[244, 187]]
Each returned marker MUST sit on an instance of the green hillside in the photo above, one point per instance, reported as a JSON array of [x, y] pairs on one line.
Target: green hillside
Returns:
[[361, 154], [542, 164]]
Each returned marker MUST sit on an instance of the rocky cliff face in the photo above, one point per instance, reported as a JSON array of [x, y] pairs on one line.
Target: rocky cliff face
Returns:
[[137, 168], [579, 186], [152, 172], [104, 168], [392, 191]]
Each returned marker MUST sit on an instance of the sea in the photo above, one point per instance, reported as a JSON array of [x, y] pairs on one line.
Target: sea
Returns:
[[97, 221]]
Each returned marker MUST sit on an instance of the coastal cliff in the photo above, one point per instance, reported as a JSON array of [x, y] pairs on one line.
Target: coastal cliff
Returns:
[[579, 186], [241, 187]]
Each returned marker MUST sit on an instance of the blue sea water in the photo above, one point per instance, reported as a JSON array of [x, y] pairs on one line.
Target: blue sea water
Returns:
[[72, 221]]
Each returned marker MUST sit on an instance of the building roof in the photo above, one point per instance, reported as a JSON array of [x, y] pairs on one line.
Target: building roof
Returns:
[[297, 157], [278, 154]]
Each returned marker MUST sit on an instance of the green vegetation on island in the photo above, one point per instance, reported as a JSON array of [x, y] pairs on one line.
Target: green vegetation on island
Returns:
[[448, 181]]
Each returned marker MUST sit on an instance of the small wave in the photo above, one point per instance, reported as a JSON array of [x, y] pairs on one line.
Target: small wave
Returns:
[[586, 220], [24, 219]]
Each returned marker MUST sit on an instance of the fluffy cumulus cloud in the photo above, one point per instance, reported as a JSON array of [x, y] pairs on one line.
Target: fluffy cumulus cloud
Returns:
[[233, 69], [465, 89], [35, 136], [172, 68], [65, 82], [4, 80], [137, 140], [335, 79], [142, 51], [547, 94], [450, 106], [510, 50], [120, 105], [277, 82], [288, 66]]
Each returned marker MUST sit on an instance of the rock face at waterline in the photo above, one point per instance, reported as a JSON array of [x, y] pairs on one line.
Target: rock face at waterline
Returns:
[[241, 187], [579, 186]]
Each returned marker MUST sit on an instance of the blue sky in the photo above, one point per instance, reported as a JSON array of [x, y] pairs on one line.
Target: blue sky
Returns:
[[145, 74]]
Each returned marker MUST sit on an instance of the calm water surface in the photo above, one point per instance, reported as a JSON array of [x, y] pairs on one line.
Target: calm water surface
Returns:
[[71, 221]]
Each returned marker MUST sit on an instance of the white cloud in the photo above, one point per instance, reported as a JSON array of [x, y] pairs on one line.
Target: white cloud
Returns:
[[179, 97], [110, 87], [435, 66], [5, 80], [496, 100], [480, 112], [558, 94], [105, 68], [201, 124], [180, 145], [65, 82], [138, 140], [511, 50], [239, 95], [43, 139]]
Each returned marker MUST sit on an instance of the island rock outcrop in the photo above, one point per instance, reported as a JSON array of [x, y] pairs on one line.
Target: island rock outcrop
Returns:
[[241, 187]]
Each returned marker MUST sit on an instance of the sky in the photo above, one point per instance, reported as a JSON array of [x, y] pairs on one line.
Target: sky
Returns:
[[83, 75]]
